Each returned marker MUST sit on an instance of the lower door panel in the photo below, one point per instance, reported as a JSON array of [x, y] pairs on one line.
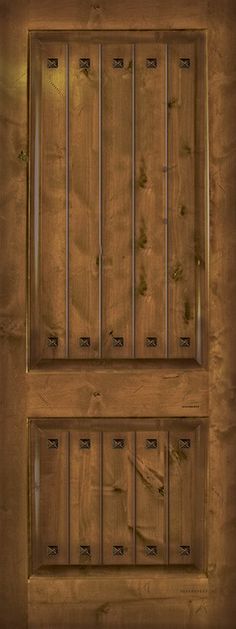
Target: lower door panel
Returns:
[[110, 492]]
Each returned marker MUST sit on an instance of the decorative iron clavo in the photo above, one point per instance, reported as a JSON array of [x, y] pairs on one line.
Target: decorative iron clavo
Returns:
[[184, 443], [184, 551], [184, 63], [85, 551], [117, 341], [118, 62], [52, 62], [84, 63], [52, 551], [151, 444], [84, 341], [151, 63], [84, 444], [151, 341], [118, 443], [118, 550], [151, 551], [53, 443], [184, 341], [52, 341]]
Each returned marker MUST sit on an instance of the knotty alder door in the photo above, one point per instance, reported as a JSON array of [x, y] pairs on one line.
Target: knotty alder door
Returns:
[[117, 317]]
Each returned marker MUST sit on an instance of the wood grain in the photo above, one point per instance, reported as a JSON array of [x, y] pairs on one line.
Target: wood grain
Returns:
[[149, 614], [53, 201], [151, 493], [84, 201], [16, 19], [117, 201], [150, 291], [13, 219], [85, 497], [130, 393], [181, 200], [118, 498], [181, 497], [49, 477]]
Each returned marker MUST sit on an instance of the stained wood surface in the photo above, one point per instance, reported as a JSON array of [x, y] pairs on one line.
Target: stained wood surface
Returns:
[[35, 285], [50, 495], [53, 201], [85, 497], [182, 516], [130, 253], [181, 200], [150, 614], [118, 499], [84, 251], [130, 497], [116, 202], [16, 19], [151, 497], [133, 393], [150, 202]]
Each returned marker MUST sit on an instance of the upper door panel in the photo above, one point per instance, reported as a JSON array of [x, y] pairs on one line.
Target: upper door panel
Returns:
[[118, 196]]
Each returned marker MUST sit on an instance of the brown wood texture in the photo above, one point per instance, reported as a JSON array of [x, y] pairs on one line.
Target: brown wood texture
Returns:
[[116, 201], [84, 198], [182, 471], [53, 201], [151, 496], [154, 275], [189, 601], [181, 199], [118, 499], [50, 497], [132, 393], [150, 201], [85, 497]]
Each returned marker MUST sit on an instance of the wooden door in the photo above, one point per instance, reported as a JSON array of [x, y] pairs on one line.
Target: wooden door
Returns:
[[107, 422]]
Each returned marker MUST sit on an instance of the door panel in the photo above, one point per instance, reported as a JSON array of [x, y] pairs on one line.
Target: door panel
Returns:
[[118, 203], [117, 497]]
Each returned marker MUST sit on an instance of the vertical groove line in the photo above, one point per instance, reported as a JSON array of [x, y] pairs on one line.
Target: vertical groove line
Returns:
[[167, 498], [100, 198], [134, 498], [166, 208], [68, 502], [101, 498], [67, 202], [133, 199]]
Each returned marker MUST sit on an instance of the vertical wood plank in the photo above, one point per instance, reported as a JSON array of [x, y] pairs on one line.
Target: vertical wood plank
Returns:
[[84, 201], [49, 475], [181, 497], [118, 498], [53, 201], [181, 200], [35, 194], [85, 497], [202, 203], [151, 495], [117, 202], [150, 298]]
